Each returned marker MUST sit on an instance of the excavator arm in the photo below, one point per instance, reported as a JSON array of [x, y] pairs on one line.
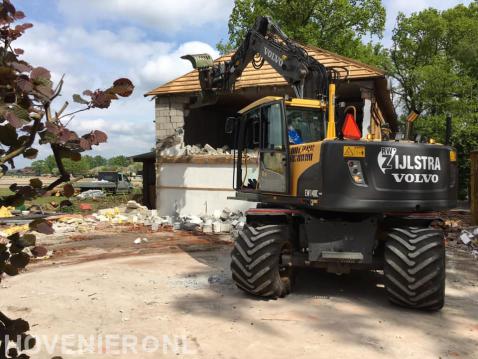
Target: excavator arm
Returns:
[[307, 77]]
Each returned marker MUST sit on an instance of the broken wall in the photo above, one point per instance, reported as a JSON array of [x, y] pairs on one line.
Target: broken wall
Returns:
[[187, 186], [170, 112]]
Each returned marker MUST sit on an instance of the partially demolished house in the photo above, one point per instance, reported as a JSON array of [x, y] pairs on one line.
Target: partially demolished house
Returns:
[[193, 168]]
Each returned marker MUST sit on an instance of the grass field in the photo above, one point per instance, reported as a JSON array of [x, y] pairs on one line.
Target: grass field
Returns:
[[96, 204]]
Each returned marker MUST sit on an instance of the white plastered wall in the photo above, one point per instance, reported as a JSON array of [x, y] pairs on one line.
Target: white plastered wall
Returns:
[[197, 188]]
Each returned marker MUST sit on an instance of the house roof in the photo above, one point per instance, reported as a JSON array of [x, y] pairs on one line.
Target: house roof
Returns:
[[267, 76], [143, 157]]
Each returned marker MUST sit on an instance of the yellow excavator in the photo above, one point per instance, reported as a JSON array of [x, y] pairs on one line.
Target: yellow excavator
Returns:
[[328, 197]]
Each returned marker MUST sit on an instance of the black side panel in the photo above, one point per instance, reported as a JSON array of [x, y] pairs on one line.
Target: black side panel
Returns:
[[341, 236], [398, 177], [311, 179]]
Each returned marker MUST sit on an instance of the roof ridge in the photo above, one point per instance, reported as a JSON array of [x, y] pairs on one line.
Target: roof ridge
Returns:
[[374, 71], [358, 63]]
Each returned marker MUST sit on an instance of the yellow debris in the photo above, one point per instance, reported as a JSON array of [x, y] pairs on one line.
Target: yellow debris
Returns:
[[15, 229], [111, 212], [6, 211]]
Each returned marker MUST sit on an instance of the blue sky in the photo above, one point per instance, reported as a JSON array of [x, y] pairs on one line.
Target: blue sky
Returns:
[[94, 42]]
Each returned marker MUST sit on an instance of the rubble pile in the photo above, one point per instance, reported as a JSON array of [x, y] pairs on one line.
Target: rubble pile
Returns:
[[135, 214], [174, 146], [92, 193], [224, 221], [462, 236], [469, 237], [180, 149]]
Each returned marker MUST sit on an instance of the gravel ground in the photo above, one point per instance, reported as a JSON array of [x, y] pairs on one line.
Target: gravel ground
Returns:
[[174, 296]]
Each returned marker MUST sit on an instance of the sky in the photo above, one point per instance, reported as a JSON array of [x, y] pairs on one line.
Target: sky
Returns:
[[94, 42]]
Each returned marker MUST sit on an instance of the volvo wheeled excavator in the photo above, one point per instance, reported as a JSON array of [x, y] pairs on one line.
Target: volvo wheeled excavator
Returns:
[[328, 195]]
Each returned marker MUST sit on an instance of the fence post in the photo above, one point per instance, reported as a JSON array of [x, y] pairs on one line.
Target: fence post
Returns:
[[474, 186]]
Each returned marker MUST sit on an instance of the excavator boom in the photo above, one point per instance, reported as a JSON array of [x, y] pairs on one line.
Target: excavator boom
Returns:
[[265, 42]]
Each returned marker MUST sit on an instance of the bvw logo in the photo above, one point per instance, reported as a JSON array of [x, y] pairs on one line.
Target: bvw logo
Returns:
[[385, 158], [401, 166]]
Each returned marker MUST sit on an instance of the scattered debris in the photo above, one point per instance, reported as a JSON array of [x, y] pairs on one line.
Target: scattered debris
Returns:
[[224, 221], [6, 212], [469, 237], [134, 213], [13, 229], [86, 207], [92, 193], [466, 237]]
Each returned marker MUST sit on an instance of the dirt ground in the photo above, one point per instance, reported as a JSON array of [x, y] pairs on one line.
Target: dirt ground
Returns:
[[177, 287]]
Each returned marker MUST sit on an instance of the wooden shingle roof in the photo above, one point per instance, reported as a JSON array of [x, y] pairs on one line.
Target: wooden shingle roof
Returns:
[[267, 76]]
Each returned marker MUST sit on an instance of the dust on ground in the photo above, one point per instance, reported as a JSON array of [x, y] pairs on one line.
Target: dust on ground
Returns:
[[178, 284]]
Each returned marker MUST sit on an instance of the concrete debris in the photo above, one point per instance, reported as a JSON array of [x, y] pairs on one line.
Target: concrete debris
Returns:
[[133, 213], [224, 221], [92, 193], [466, 237], [226, 212], [469, 237], [188, 226], [176, 148], [210, 150], [174, 151]]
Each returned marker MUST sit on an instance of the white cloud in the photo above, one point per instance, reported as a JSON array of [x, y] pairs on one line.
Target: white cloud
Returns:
[[93, 59], [162, 15], [164, 67]]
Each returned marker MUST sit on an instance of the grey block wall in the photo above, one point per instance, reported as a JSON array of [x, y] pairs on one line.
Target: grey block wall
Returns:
[[170, 112], [169, 115]]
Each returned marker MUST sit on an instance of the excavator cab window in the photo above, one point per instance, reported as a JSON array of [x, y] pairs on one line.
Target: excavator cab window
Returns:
[[304, 125], [263, 134], [272, 156]]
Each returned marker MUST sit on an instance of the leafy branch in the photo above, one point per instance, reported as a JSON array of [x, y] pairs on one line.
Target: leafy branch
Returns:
[[27, 115]]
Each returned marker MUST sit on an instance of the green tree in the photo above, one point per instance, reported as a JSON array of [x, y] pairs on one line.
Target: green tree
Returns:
[[335, 25], [434, 63], [119, 161], [99, 161], [76, 168], [50, 164], [40, 167]]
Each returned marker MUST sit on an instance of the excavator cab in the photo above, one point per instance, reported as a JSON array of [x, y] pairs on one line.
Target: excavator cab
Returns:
[[274, 135]]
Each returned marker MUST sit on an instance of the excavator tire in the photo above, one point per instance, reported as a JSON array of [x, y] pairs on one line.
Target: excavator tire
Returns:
[[414, 267], [256, 261]]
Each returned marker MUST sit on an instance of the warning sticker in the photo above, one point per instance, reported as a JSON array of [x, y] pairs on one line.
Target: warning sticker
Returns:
[[354, 151]]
